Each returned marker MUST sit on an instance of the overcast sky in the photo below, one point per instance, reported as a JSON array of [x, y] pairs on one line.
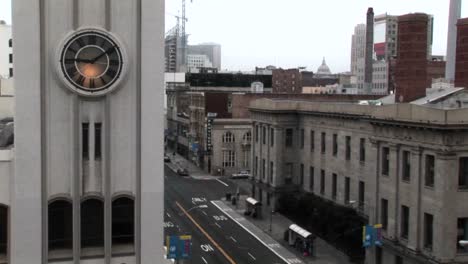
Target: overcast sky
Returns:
[[288, 33]]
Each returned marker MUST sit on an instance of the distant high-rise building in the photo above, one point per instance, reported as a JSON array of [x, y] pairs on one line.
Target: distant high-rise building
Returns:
[[196, 61], [211, 50], [6, 54], [385, 36], [358, 47], [454, 15], [369, 50]]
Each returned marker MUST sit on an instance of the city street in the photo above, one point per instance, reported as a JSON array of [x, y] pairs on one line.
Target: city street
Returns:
[[215, 237]]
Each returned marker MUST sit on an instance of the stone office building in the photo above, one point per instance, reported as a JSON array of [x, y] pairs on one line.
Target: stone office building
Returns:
[[404, 166]]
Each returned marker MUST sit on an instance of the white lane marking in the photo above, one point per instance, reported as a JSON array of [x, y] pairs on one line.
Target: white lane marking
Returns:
[[223, 183], [168, 215], [217, 225], [251, 256], [203, 212], [207, 248], [233, 239], [288, 261], [204, 260]]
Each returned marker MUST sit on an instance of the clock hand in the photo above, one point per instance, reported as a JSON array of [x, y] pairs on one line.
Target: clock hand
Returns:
[[102, 54], [83, 60]]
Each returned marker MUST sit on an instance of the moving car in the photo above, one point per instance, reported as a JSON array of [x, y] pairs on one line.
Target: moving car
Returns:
[[182, 172], [166, 158], [244, 174]]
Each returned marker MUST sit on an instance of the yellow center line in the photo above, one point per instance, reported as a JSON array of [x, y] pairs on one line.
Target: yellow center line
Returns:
[[206, 234]]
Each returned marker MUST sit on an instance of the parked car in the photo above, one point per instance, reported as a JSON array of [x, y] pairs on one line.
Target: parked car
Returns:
[[245, 174], [166, 158], [182, 172]]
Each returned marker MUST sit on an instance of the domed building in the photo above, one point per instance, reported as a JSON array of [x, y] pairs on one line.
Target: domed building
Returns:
[[323, 70]]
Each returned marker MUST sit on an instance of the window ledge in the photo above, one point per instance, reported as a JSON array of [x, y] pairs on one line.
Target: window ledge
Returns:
[[407, 181], [463, 188], [429, 187]]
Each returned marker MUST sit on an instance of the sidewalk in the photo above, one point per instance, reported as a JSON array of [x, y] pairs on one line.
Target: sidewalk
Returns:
[[324, 253]]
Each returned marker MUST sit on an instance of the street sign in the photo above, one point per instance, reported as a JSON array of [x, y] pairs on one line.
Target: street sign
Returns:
[[372, 235], [179, 247]]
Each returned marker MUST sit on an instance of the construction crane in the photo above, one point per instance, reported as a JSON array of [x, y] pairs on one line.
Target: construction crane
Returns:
[[184, 37]]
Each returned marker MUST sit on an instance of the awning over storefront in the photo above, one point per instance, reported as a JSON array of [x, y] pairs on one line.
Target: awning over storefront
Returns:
[[300, 231], [252, 201]]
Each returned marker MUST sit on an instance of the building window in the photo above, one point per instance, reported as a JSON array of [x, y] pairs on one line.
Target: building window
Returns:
[[347, 190], [302, 174], [228, 137], [361, 192], [10, 58], [10, 43], [289, 173], [463, 173], [385, 160], [429, 173], [272, 137], [398, 260], [405, 214], [256, 133], [92, 223], [384, 213], [312, 141], [97, 140], [311, 178], [406, 159], [3, 230], [85, 140], [256, 166], [60, 222], [462, 231], [323, 147], [229, 159], [378, 255], [264, 139], [263, 169], [289, 137], [11, 72], [322, 182], [271, 171], [123, 221], [335, 144], [348, 147], [428, 230], [362, 150], [302, 138], [246, 158], [334, 179], [268, 198], [247, 138]]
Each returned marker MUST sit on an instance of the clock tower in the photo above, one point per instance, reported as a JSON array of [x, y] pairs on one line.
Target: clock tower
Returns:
[[88, 181]]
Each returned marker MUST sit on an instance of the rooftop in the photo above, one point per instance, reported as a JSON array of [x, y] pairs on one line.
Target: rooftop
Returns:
[[394, 113]]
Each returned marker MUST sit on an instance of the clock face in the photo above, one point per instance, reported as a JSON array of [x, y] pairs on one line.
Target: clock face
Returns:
[[91, 61]]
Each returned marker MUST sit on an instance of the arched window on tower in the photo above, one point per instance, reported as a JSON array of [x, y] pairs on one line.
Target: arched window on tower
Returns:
[[92, 223], [60, 225], [247, 137], [3, 233], [228, 137], [123, 223]]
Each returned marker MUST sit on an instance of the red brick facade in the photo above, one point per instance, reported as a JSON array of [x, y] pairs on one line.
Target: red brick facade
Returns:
[[461, 59], [287, 81], [411, 64]]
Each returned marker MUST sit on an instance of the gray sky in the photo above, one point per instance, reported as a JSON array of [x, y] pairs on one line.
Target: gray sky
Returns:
[[289, 33]]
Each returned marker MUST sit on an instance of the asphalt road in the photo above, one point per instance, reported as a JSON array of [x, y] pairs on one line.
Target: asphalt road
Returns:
[[216, 239]]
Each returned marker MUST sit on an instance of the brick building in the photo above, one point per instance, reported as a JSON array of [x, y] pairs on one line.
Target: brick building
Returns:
[[287, 81], [461, 64], [411, 63]]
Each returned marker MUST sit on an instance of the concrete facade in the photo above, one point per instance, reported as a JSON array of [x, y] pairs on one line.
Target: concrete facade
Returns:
[[49, 162], [6, 50], [400, 133], [454, 15], [232, 139]]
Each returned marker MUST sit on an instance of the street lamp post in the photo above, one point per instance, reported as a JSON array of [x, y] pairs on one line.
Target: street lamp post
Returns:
[[271, 220]]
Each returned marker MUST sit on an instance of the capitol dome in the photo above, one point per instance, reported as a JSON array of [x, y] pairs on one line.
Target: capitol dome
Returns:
[[323, 69]]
